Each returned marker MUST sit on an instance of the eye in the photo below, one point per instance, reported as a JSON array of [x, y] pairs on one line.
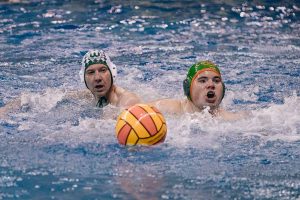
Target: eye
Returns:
[[103, 69], [89, 72], [201, 80], [217, 80]]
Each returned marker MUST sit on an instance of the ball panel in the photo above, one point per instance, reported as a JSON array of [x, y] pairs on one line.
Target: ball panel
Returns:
[[161, 117], [137, 111], [136, 125], [132, 138], [161, 140], [157, 121], [154, 115], [143, 116], [155, 109], [120, 124], [123, 134], [164, 131], [159, 137]]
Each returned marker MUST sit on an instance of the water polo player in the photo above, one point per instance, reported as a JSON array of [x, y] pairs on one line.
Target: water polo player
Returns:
[[204, 88], [98, 73]]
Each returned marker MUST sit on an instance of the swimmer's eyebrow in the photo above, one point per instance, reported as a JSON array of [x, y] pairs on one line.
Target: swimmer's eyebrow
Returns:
[[90, 70], [101, 68], [219, 77], [207, 77]]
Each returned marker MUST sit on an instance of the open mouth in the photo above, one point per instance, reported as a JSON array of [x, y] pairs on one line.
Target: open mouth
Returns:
[[210, 95], [99, 87]]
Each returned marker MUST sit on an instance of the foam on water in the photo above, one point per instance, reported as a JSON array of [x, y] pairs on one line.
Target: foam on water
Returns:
[[277, 122], [42, 102], [56, 119]]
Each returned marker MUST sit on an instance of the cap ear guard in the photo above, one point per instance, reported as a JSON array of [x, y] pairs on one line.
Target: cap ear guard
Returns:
[[223, 90], [186, 88]]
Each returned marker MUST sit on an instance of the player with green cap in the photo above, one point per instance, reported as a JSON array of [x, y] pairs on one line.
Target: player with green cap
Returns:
[[204, 88], [197, 69]]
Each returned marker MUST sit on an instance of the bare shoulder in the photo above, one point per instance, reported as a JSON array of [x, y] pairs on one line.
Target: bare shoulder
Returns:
[[168, 106], [10, 107], [231, 116], [125, 98]]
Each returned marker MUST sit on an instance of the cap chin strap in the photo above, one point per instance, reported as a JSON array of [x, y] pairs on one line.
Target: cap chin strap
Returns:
[[102, 102]]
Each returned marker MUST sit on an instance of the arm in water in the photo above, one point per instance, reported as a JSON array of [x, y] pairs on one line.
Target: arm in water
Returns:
[[10, 107]]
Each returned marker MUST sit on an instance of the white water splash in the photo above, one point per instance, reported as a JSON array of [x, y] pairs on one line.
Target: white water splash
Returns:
[[42, 102], [277, 122]]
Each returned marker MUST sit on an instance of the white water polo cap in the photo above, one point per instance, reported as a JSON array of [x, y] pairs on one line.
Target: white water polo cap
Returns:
[[97, 57]]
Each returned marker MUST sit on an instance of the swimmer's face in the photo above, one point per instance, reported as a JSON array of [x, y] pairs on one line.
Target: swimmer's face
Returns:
[[207, 90], [98, 79]]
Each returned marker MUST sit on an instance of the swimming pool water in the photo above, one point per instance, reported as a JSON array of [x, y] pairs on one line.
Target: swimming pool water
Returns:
[[55, 147]]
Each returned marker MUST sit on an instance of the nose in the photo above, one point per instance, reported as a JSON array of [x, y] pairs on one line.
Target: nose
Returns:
[[210, 84], [98, 76]]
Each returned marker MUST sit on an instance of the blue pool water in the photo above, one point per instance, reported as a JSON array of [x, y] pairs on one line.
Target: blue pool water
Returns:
[[55, 147]]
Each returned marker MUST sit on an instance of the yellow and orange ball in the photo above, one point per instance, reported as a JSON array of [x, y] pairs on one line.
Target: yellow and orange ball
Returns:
[[141, 124]]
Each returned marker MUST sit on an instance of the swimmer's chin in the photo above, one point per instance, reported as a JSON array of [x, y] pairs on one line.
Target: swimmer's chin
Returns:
[[211, 101], [213, 104]]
